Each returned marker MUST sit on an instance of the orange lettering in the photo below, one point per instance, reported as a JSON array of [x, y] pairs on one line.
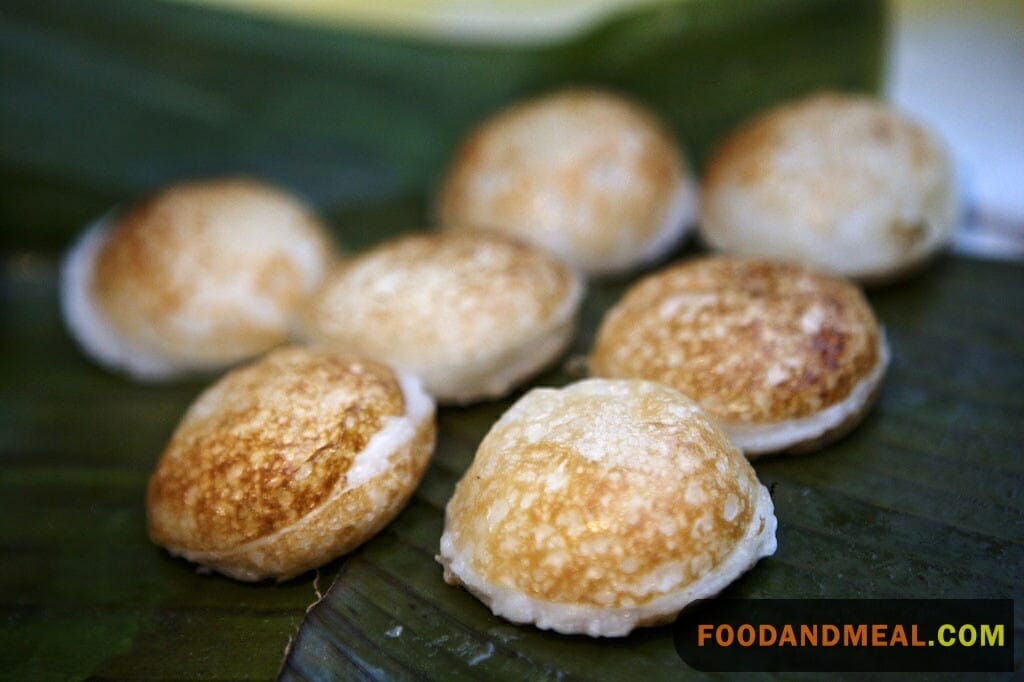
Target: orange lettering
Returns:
[[829, 635], [878, 634], [899, 636], [914, 639], [855, 635], [746, 635]]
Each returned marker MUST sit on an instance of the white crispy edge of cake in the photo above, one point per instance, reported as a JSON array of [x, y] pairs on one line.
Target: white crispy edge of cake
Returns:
[[372, 461], [761, 439], [492, 375], [87, 323], [679, 221], [758, 542]]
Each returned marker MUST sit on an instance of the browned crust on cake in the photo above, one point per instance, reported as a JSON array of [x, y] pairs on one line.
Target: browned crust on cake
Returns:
[[265, 454], [843, 182], [430, 298], [607, 501], [753, 341], [541, 196], [165, 255], [746, 156]]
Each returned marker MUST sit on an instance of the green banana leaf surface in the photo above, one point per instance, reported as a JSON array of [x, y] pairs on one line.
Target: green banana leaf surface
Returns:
[[924, 499], [103, 101]]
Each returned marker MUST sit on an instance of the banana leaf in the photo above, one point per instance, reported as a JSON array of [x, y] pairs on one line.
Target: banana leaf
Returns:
[[924, 499], [105, 100]]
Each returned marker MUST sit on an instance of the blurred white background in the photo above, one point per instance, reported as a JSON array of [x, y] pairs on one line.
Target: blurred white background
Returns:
[[959, 67]]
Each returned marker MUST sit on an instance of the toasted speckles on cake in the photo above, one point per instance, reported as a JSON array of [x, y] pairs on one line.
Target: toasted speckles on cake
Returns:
[[585, 174], [842, 182], [752, 341], [205, 273], [443, 292], [470, 313], [731, 508], [694, 493], [622, 483], [289, 462], [279, 468]]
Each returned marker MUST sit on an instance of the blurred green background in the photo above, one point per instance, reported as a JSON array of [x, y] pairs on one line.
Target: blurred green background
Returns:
[[105, 100]]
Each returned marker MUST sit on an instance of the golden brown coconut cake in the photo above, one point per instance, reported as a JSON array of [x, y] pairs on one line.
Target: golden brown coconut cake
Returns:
[[195, 278], [604, 506], [840, 182], [471, 313], [783, 357], [588, 175], [289, 462]]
